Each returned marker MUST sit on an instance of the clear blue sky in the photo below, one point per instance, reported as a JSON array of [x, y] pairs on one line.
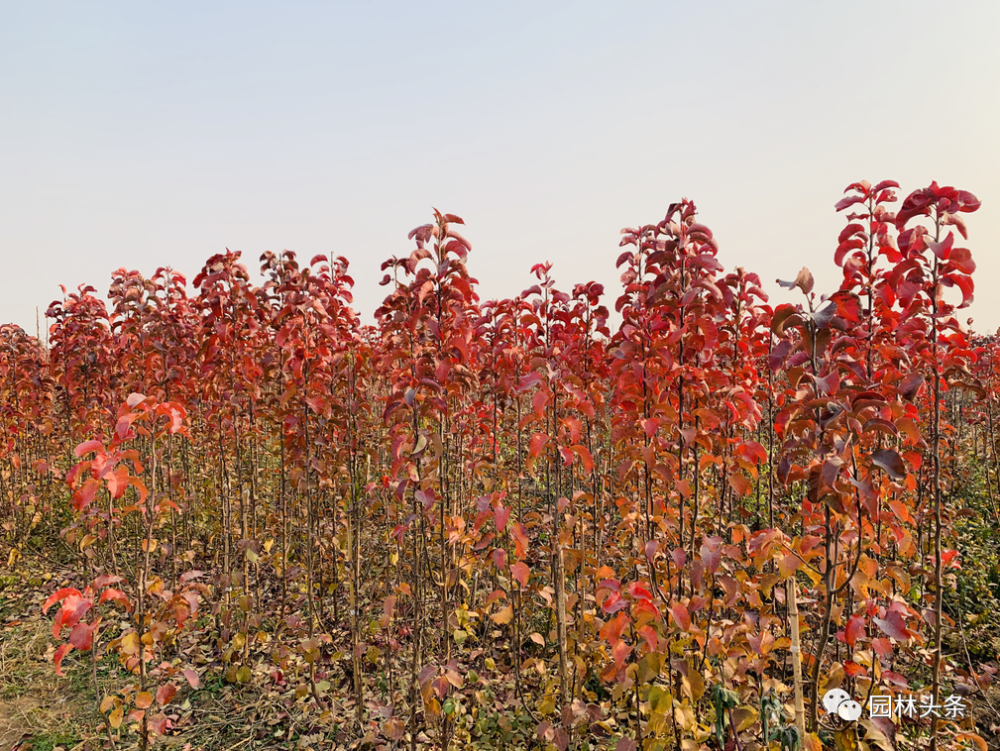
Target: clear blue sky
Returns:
[[150, 134]]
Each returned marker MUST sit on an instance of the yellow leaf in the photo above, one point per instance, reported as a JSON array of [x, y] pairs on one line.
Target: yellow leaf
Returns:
[[845, 740], [548, 705], [116, 717], [421, 445], [130, 643], [744, 717], [685, 717], [815, 577], [108, 703], [694, 684], [660, 700]]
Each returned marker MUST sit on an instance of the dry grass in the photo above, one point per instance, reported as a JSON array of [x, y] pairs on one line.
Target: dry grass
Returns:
[[37, 707], [40, 711]]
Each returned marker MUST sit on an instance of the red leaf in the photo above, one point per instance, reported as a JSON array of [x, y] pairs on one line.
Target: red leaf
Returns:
[[853, 669], [962, 259], [882, 647], [87, 446], [520, 572], [585, 457], [843, 203], [537, 442], [317, 403], [891, 462], [893, 625], [84, 495], [165, 694], [965, 284], [500, 517], [612, 630], [82, 636], [59, 595], [118, 482], [114, 595], [57, 658], [538, 401], [855, 628], [159, 724], [124, 423], [137, 484], [620, 652], [681, 616]]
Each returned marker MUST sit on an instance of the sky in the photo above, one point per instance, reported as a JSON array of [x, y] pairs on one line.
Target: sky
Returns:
[[142, 135]]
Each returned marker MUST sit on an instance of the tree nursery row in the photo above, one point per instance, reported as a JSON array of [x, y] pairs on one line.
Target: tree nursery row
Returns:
[[502, 524]]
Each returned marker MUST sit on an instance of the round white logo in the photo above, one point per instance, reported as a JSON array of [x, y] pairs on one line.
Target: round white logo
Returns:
[[839, 702]]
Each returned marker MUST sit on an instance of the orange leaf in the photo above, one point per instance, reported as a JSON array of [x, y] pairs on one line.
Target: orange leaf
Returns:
[[585, 457], [788, 565], [504, 616]]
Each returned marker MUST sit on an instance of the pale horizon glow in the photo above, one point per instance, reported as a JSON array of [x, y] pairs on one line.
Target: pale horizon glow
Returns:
[[143, 135]]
